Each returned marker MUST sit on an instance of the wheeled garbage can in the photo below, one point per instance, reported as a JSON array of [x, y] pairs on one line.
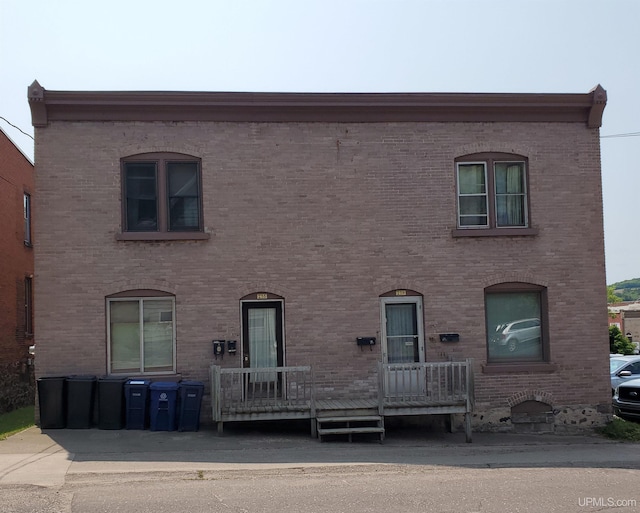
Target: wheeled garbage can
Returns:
[[80, 395], [136, 392], [111, 412], [52, 402], [162, 411], [189, 401]]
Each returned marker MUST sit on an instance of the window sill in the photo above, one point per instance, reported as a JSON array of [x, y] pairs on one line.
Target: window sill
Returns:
[[520, 367], [494, 232], [156, 236], [151, 376]]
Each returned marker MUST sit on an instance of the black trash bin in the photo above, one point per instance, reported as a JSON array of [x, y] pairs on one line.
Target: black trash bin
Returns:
[[52, 402], [162, 412], [136, 392], [80, 398], [189, 400], [111, 402]]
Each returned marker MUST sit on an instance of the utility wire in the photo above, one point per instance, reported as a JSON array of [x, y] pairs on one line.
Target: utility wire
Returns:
[[630, 134], [17, 127]]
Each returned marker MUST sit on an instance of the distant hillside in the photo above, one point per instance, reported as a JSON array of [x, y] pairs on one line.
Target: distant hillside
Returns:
[[628, 290]]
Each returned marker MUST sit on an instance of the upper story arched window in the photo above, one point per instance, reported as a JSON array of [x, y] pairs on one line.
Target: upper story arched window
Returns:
[[492, 192], [161, 193]]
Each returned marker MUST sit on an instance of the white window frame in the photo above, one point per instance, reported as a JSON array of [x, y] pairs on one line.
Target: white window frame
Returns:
[[486, 195], [491, 195], [141, 300]]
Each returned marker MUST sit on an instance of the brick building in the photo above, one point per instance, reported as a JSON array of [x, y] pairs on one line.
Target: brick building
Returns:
[[288, 226], [16, 276]]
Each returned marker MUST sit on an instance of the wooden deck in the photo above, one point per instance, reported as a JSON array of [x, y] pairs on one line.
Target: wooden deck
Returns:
[[281, 393]]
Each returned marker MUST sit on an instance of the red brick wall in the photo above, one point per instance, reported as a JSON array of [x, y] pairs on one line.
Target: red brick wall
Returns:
[[328, 216], [16, 262]]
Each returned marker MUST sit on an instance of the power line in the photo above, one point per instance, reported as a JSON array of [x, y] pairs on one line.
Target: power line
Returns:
[[611, 136], [630, 134], [17, 127]]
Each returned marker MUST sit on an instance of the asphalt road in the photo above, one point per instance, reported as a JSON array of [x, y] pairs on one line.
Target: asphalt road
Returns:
[[94, 471], [345, 489]]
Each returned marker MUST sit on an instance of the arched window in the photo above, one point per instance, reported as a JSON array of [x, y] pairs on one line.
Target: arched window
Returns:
[[141, 332], [161, 193], [492, 191], [516, 318]]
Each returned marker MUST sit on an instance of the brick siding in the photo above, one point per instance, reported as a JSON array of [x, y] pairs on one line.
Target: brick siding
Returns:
[[16, 263], [329, 216]]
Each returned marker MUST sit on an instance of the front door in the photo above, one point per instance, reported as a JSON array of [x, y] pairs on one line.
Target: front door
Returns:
[[403, 343], [262, 338]]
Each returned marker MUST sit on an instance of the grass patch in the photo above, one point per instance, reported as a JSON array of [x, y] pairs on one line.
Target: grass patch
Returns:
[[619, 429], [15, 421]]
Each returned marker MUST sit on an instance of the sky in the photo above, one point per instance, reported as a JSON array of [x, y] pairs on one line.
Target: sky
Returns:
[[521, 46]]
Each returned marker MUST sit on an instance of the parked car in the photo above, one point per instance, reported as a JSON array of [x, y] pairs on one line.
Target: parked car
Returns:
[[512, 334], [626, 399], [623, 368]]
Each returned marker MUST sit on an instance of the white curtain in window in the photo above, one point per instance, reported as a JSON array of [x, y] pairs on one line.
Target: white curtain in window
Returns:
[[515, 198], [401, 333], [510, 198], [263, 345]]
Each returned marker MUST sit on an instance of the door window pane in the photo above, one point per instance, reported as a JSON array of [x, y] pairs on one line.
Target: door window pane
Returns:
[[402, 333]]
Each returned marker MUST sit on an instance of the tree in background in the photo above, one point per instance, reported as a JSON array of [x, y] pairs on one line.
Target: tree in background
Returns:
[[618, 343], [611, 295]]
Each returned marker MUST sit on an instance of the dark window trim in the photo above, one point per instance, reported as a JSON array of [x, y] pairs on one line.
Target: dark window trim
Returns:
[[489, 159], [516, 365], [163, 232], [28, 232]]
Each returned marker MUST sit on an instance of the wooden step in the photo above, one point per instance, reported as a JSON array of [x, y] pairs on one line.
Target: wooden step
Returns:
[[369, 418], [350, 425], [349, 430]]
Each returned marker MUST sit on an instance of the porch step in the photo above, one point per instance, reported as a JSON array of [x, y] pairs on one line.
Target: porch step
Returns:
[[350, 425]]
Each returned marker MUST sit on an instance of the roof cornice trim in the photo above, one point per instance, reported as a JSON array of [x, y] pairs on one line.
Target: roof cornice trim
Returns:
[[47, 106]]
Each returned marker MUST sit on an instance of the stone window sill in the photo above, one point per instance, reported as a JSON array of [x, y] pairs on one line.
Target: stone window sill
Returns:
[[520, 367]]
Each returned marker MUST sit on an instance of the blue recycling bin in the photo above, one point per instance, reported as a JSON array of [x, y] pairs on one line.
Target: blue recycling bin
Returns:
[[162, 410], [190, 400], [136, 394]]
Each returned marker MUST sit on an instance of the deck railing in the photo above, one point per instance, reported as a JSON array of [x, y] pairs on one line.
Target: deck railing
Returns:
[[436, 383], [260, 389]]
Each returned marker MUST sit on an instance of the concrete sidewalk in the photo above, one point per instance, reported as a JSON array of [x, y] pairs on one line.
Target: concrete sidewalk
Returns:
[[51, 457]]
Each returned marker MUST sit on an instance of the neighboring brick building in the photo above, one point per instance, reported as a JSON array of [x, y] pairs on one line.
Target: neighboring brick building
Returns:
[[16, 277], [294, 223]]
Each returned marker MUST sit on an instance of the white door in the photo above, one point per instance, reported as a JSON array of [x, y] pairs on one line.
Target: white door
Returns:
[[403, 343]]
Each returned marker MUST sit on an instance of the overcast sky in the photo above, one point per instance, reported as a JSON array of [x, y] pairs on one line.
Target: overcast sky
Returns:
[[538, 46]]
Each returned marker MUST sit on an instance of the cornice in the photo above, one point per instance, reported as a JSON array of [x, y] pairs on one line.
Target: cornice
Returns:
[[47, 106]]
